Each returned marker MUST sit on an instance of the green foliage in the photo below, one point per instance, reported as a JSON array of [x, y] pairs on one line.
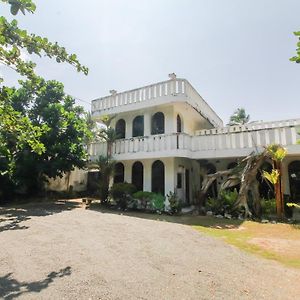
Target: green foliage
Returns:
[[224, 203], [268, 207], [174, 202], [59, 128], [27, 127], [276, 152], [122, 193], [296, 58], [158, 202], [291, 204], [273, 176], [239, 117]]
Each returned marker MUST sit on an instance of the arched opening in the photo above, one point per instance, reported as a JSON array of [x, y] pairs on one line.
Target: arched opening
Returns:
[[294, 179], [213, 190], [179, 124], [266, 190], [138, 126], [138, 175], [158, 177], [119, 173], [158, 123], [120, 129]]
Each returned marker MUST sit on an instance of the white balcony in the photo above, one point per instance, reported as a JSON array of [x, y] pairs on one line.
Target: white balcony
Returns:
[[226, 142], [174, 90]]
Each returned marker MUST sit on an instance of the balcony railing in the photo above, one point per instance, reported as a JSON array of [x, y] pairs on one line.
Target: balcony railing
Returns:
[[170, 88], [192, 146]]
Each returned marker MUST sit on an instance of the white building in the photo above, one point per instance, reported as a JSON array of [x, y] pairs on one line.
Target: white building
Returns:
[[170, 137]]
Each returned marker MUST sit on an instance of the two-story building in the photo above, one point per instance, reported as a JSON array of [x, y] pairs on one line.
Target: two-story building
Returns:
[[169, 137]]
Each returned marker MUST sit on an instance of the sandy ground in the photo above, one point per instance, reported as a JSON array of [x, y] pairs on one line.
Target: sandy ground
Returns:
[[65, 252]]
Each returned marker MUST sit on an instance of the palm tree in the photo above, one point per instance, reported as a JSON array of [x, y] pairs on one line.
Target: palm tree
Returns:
[[239, 117]]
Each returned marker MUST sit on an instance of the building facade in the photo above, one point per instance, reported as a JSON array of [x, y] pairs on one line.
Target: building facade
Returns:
[[169, 138]]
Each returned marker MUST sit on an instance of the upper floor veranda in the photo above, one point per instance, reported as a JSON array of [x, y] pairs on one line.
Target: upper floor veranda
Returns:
[[175, 90]]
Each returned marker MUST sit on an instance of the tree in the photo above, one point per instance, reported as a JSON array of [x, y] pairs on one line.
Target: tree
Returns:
[[105, 163], [245, 174], [47, 106], [296, 58], [277, 154], [239, 117], [17, 133]]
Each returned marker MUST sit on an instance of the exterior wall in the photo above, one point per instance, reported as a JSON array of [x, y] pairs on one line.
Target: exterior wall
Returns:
[[77, 179], [147, 164]]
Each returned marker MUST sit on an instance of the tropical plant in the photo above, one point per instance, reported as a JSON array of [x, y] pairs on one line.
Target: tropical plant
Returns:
[[268, 207], [174, 202], [239, 117], [144, 197], [158, 202], [277, 153], [122, 193]]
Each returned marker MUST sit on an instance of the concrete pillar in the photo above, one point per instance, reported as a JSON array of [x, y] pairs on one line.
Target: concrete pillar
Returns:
[[147, 174], [127, 171], [128, 133], [147, 123]]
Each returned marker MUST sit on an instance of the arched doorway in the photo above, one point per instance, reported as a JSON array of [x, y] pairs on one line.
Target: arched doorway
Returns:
[[138, 126], [158, 177], [266, 190], [213, 190], [119, 173], [158, 123], [120, 129], [138, 175], [294, 179]]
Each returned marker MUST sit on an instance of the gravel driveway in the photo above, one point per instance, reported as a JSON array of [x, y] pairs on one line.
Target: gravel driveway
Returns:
[[65, 252]]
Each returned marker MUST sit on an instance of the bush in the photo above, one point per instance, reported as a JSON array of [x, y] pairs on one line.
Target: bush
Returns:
[[122, 193], [224, 203], [175, 204], [268, 207], [144, 198], [158, 202]]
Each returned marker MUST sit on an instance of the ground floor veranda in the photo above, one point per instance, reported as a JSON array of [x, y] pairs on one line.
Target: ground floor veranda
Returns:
[[185, 176]]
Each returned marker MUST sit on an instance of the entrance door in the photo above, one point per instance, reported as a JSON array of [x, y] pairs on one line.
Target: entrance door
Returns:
[[187, 186]]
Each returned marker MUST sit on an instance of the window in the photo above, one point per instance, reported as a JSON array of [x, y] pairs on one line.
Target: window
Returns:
[[179, 180], [158, 123], [138, 126], [120, 129], [179, 124], [158, 177]]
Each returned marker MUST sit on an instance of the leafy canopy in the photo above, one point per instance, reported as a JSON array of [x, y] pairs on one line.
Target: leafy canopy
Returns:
[[239, 117]]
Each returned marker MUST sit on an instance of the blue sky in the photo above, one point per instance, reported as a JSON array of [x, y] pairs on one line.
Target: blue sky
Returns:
[[235, 53]]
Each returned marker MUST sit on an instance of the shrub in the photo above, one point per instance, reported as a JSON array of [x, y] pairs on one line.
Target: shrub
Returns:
[[175, 204], [158, 202], [224, 203], [144, 197], [122, 193], [268, 207]]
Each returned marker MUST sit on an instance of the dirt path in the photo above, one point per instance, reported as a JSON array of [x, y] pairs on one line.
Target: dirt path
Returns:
[[53, 253]]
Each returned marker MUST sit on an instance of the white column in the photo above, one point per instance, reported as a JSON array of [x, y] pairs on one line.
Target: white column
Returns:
[[147, 174], [127, 171], [147, 123]]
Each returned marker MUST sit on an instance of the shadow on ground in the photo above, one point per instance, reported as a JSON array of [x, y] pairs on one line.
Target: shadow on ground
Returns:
[[11, 288], [11, 218], [192, 220]]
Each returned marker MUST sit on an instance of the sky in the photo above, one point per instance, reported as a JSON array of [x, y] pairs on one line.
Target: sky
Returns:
[[234, 52]]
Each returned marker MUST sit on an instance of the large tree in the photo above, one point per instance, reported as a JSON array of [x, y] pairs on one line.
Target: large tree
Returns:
[[63, 137], [17, 133]]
